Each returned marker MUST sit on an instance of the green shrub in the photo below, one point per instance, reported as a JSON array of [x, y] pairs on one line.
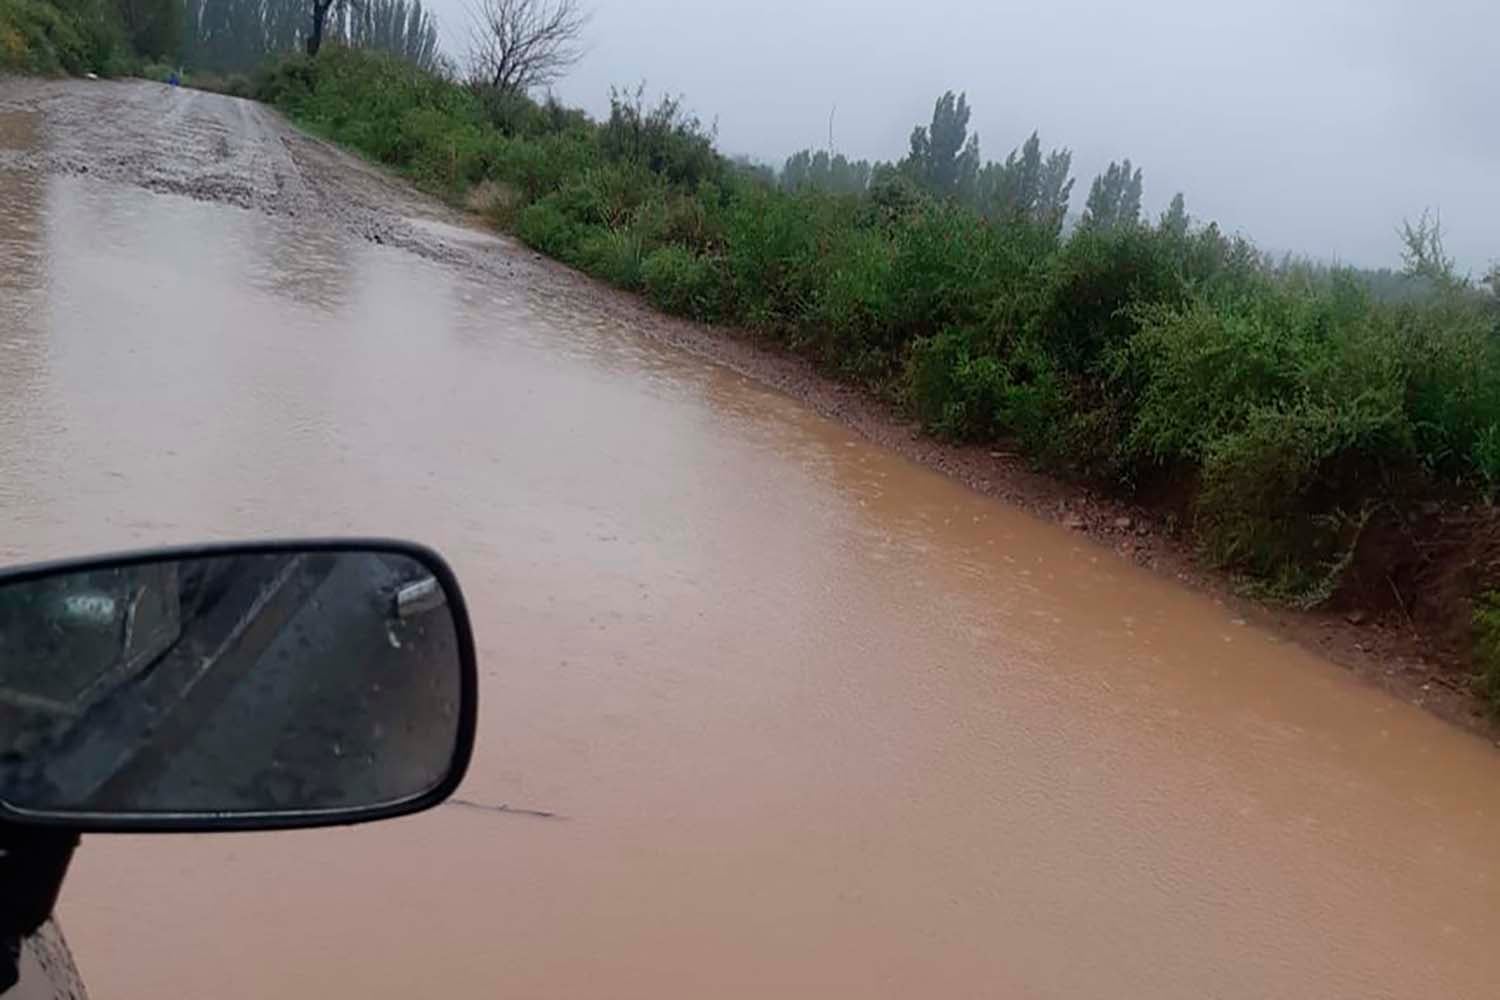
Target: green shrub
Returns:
[[511, 113], [666, 139], [69, 36], [1280, 497], [677, 218], [954, 269], [1199, 370], [441, 153], [614, 255], [545, 226], [1486, 458], [771, 252], [848, 311], [516, 115], [363, 98], [957, 392], [1453, 359], [105, 49], [1487, 647], [965, 391], [287, 83], [609, 195], [538, 167], [892, 199], [682, 282], [35, 37], [1086, 309]]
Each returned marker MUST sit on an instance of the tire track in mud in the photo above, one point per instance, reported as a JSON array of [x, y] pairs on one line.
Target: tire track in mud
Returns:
[[210, 148], [231, 151]]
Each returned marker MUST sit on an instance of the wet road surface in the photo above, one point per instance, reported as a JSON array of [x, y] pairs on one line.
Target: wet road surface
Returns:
[[814, 721]]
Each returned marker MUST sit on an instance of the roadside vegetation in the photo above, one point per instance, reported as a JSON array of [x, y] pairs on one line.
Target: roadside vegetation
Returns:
[[1287, 411], [1487, 645], [63, 36], [1301, 423]]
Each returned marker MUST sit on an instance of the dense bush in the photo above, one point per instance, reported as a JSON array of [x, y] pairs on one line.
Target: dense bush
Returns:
[[682, 282], [666, 139], [959, 390], [616, 255], [1487, 645], [1296, 399], [364, 99], [68, 36], [546, 226], [962, 388]]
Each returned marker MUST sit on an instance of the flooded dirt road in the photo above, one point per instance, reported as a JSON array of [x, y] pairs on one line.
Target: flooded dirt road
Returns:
[[813, 720]]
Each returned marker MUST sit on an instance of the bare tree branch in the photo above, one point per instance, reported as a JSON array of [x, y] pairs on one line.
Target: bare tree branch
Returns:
[[518, 45]]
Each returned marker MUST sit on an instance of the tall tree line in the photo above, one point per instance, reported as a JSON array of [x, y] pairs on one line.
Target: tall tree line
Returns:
[[399, 27], [1115, 198], [818, 171], [944, 155], [944, 160], [153, 27], [235, 36], [1027, 186]]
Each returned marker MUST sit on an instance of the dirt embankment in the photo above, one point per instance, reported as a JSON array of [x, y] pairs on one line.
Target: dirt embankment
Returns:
[[1401, 619]]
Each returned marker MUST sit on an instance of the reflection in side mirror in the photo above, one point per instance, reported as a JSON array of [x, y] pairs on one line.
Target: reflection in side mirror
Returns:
[[237, 686]]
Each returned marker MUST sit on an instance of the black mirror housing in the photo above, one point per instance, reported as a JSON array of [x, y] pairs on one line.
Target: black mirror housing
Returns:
[[237, 686]]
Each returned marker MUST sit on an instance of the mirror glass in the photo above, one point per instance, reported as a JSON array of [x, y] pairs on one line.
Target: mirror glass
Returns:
[[227, 684]]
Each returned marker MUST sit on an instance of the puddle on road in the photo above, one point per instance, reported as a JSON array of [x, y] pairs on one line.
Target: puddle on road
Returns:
[[821, 721]]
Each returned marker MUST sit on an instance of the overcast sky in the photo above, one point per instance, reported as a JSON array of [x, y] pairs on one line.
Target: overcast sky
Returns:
[[1309, 125]]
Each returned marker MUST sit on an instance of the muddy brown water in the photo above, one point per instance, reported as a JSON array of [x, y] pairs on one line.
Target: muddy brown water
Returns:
[[815, 721]]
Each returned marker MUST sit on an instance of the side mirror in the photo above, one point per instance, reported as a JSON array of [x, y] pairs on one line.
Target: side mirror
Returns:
[[233, 687]]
